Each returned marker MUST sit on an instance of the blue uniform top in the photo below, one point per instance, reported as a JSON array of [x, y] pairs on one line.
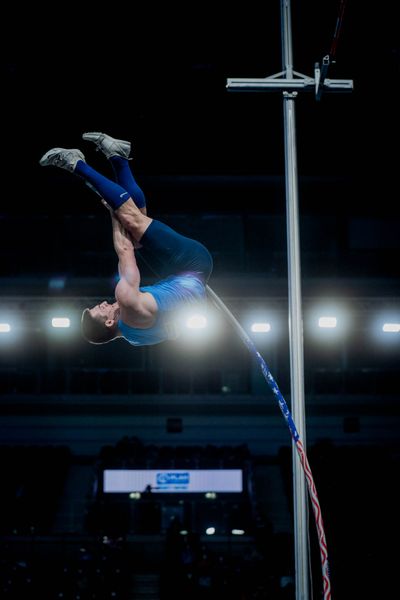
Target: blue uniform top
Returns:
[[170, 294]]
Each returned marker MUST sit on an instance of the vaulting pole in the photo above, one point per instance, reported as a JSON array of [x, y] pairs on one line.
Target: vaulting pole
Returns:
[[297, 442]]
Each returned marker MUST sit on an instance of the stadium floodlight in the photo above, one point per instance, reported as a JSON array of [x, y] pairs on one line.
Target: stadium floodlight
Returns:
[[262, 327], [238, 532], [135, 495], [385, 326], [327, 322], [11, 328], [198, 327], [196, 321], [263, 324], [61, 322], [391, 327]]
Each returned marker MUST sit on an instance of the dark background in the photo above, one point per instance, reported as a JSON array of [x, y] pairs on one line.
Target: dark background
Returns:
[[158, 78], [211, 163]]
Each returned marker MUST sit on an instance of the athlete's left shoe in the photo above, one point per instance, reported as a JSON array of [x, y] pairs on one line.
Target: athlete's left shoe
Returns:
[[108, 145], [65, 158]]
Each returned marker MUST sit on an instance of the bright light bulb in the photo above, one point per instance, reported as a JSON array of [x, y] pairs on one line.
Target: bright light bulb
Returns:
[[327, 322], [60, 322], [135, 495], [238, 532], [260, 327], [391, 327], [196, 322]]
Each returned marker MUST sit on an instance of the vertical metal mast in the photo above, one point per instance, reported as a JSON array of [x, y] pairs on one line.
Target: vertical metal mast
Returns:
[[300, 505], [289, 81]]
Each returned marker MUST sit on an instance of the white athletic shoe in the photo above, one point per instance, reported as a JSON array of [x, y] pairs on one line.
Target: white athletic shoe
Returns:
[[108, 145], [65, 158]]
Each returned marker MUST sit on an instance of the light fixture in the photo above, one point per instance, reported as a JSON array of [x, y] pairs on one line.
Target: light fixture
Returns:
[[391, 327], [260, 327], [196, 321], [327, 322], [60, 322], [135, 495]]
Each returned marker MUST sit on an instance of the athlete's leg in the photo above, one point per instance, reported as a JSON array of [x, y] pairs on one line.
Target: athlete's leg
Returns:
[[169, 252], [117, 198], [118, 151], [124, 176], [134, 221]]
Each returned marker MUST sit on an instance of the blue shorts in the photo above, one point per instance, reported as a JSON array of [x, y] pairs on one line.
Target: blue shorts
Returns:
[[167, 252]]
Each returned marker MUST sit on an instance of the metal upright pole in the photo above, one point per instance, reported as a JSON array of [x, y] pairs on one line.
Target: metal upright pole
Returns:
[[290, 82], [300, 505]]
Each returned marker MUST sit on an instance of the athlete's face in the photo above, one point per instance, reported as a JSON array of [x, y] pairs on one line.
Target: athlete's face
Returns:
[[103, 311]]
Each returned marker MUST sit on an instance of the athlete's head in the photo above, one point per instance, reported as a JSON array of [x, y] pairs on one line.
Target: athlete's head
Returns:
[[99, 324]]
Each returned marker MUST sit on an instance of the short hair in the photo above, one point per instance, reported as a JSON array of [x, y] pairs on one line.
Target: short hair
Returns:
[[95, 331]]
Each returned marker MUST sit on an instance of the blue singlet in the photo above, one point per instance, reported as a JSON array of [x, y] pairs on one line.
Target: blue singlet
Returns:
[[170, 293]]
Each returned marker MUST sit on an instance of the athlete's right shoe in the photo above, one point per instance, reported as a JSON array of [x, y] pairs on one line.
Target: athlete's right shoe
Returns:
[[108, 145], [65, 158]]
